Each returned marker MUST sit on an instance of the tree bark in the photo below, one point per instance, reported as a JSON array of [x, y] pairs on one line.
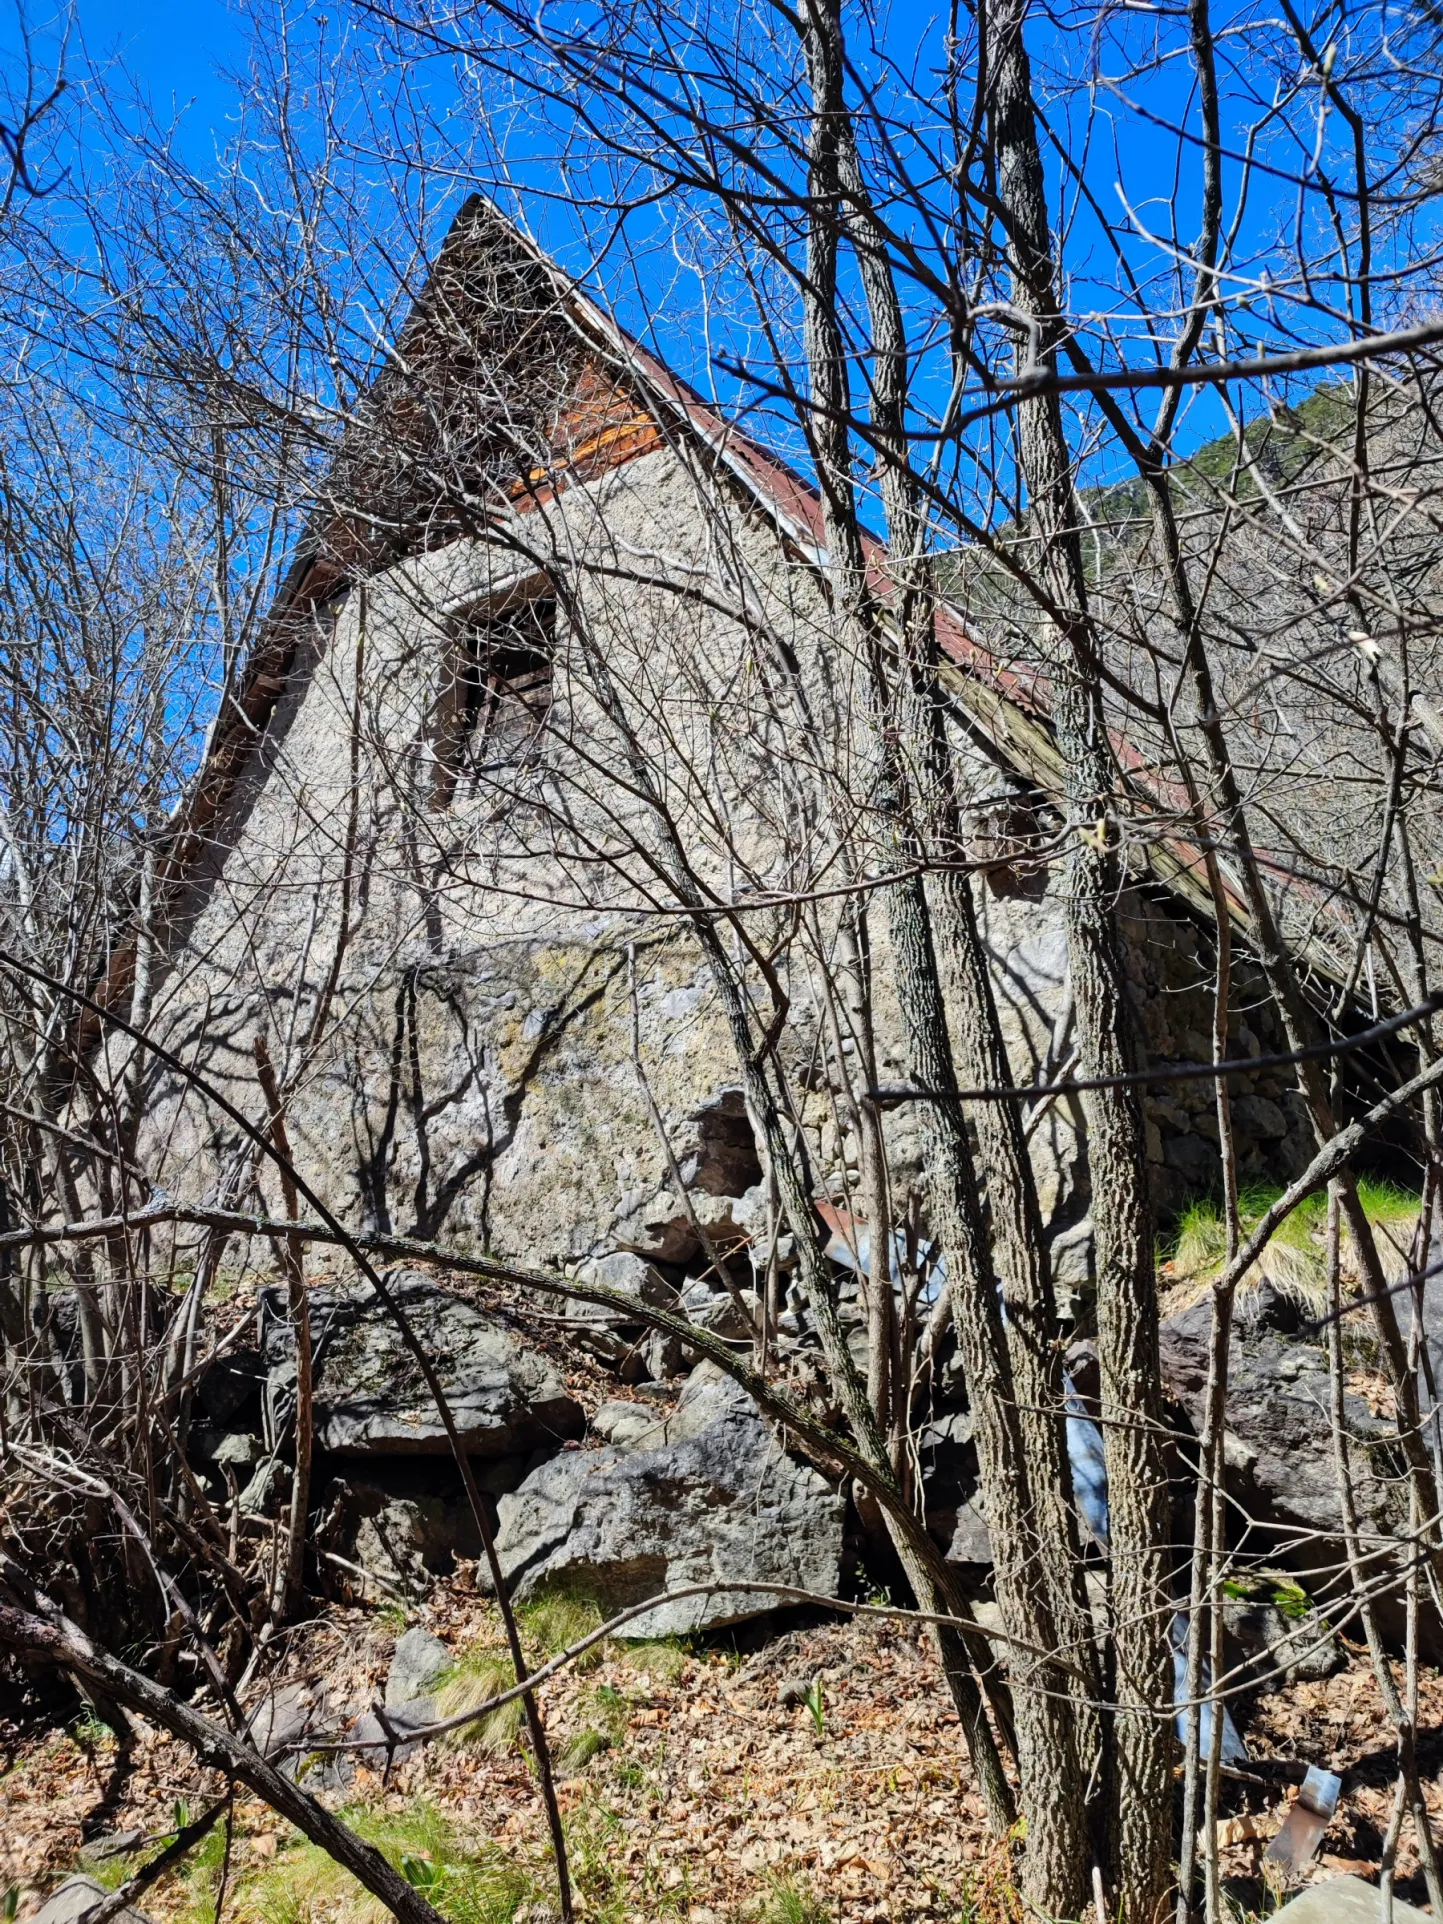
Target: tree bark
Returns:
[[1047, 1753], [1049, 1766], [935, 820], [1116, 1141], [292, 1571]]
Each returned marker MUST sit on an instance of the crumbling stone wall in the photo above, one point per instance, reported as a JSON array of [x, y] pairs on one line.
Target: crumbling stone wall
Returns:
[[488, 1021]]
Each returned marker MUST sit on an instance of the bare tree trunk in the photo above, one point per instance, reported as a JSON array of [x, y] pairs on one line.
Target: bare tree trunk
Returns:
[[1017, 1511], [1020, 1253], [1204, 1593], [846, 979], [1116, 1140], [93, 1340], [290, 1580], [1055, 1867], [886, 1367], [1032, 1326]]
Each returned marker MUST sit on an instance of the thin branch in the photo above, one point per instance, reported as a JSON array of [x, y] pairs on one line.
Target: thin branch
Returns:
[[893, 1093]]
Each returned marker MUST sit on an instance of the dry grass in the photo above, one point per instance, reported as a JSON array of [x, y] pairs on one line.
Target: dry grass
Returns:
[[477, 1675]]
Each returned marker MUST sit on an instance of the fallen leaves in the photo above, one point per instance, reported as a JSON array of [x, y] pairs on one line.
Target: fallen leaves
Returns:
[[712, 1789]]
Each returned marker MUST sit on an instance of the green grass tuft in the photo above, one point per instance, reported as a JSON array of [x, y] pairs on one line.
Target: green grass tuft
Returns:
[[1295, 1258], [579, 1750], [790, 1901], [661, 1658], [112, 1872], [304, 1886], [1388, 1205], [593, 1832], [557, 1619]]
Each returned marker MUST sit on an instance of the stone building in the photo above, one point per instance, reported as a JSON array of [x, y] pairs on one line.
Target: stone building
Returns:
[[554, 597]]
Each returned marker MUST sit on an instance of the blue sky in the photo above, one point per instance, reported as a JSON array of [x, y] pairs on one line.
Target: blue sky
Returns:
[[171, 46], [173, 49]]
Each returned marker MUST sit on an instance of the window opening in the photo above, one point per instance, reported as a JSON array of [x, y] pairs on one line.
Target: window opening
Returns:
[[497, 697]]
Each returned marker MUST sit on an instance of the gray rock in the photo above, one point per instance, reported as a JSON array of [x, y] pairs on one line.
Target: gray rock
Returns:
[[1279, 1445], [287, 1717], [721, 1159], [229, 1382], [1263, 1307], [76, 1896], [661, 1354], [1073, 1257], [1277, 1417], [629, 1425], [411, 1539], [419, 1660], [405, 1523], [1345, 1900], [718, 1499], [971, 1541], [633, 1275], [257, 1496], [1192, 1157], [116, 1843], [1283, 1649], [370, 1396], [628, 1272], [1259, 1118], [413, 1714], [721, 1315], [238, 1449]]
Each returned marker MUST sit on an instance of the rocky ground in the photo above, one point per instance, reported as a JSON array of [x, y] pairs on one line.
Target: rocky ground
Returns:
[[707, 1797], [781, 1769]]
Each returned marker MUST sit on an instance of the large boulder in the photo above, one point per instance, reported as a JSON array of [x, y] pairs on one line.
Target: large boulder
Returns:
[[713, 1497], [1279, 1444], [408, 1540], [1346, 1900], [370, 1396], [1281, 1469]]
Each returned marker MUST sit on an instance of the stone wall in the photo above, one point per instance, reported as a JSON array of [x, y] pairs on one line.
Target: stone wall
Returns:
[[492, 1001]]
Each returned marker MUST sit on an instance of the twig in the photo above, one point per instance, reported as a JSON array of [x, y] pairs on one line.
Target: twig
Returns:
[[185, 1839], [423, 1733], [891, 1094]]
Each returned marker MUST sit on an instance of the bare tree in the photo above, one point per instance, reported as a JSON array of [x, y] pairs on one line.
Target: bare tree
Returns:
[[1203, 660]]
